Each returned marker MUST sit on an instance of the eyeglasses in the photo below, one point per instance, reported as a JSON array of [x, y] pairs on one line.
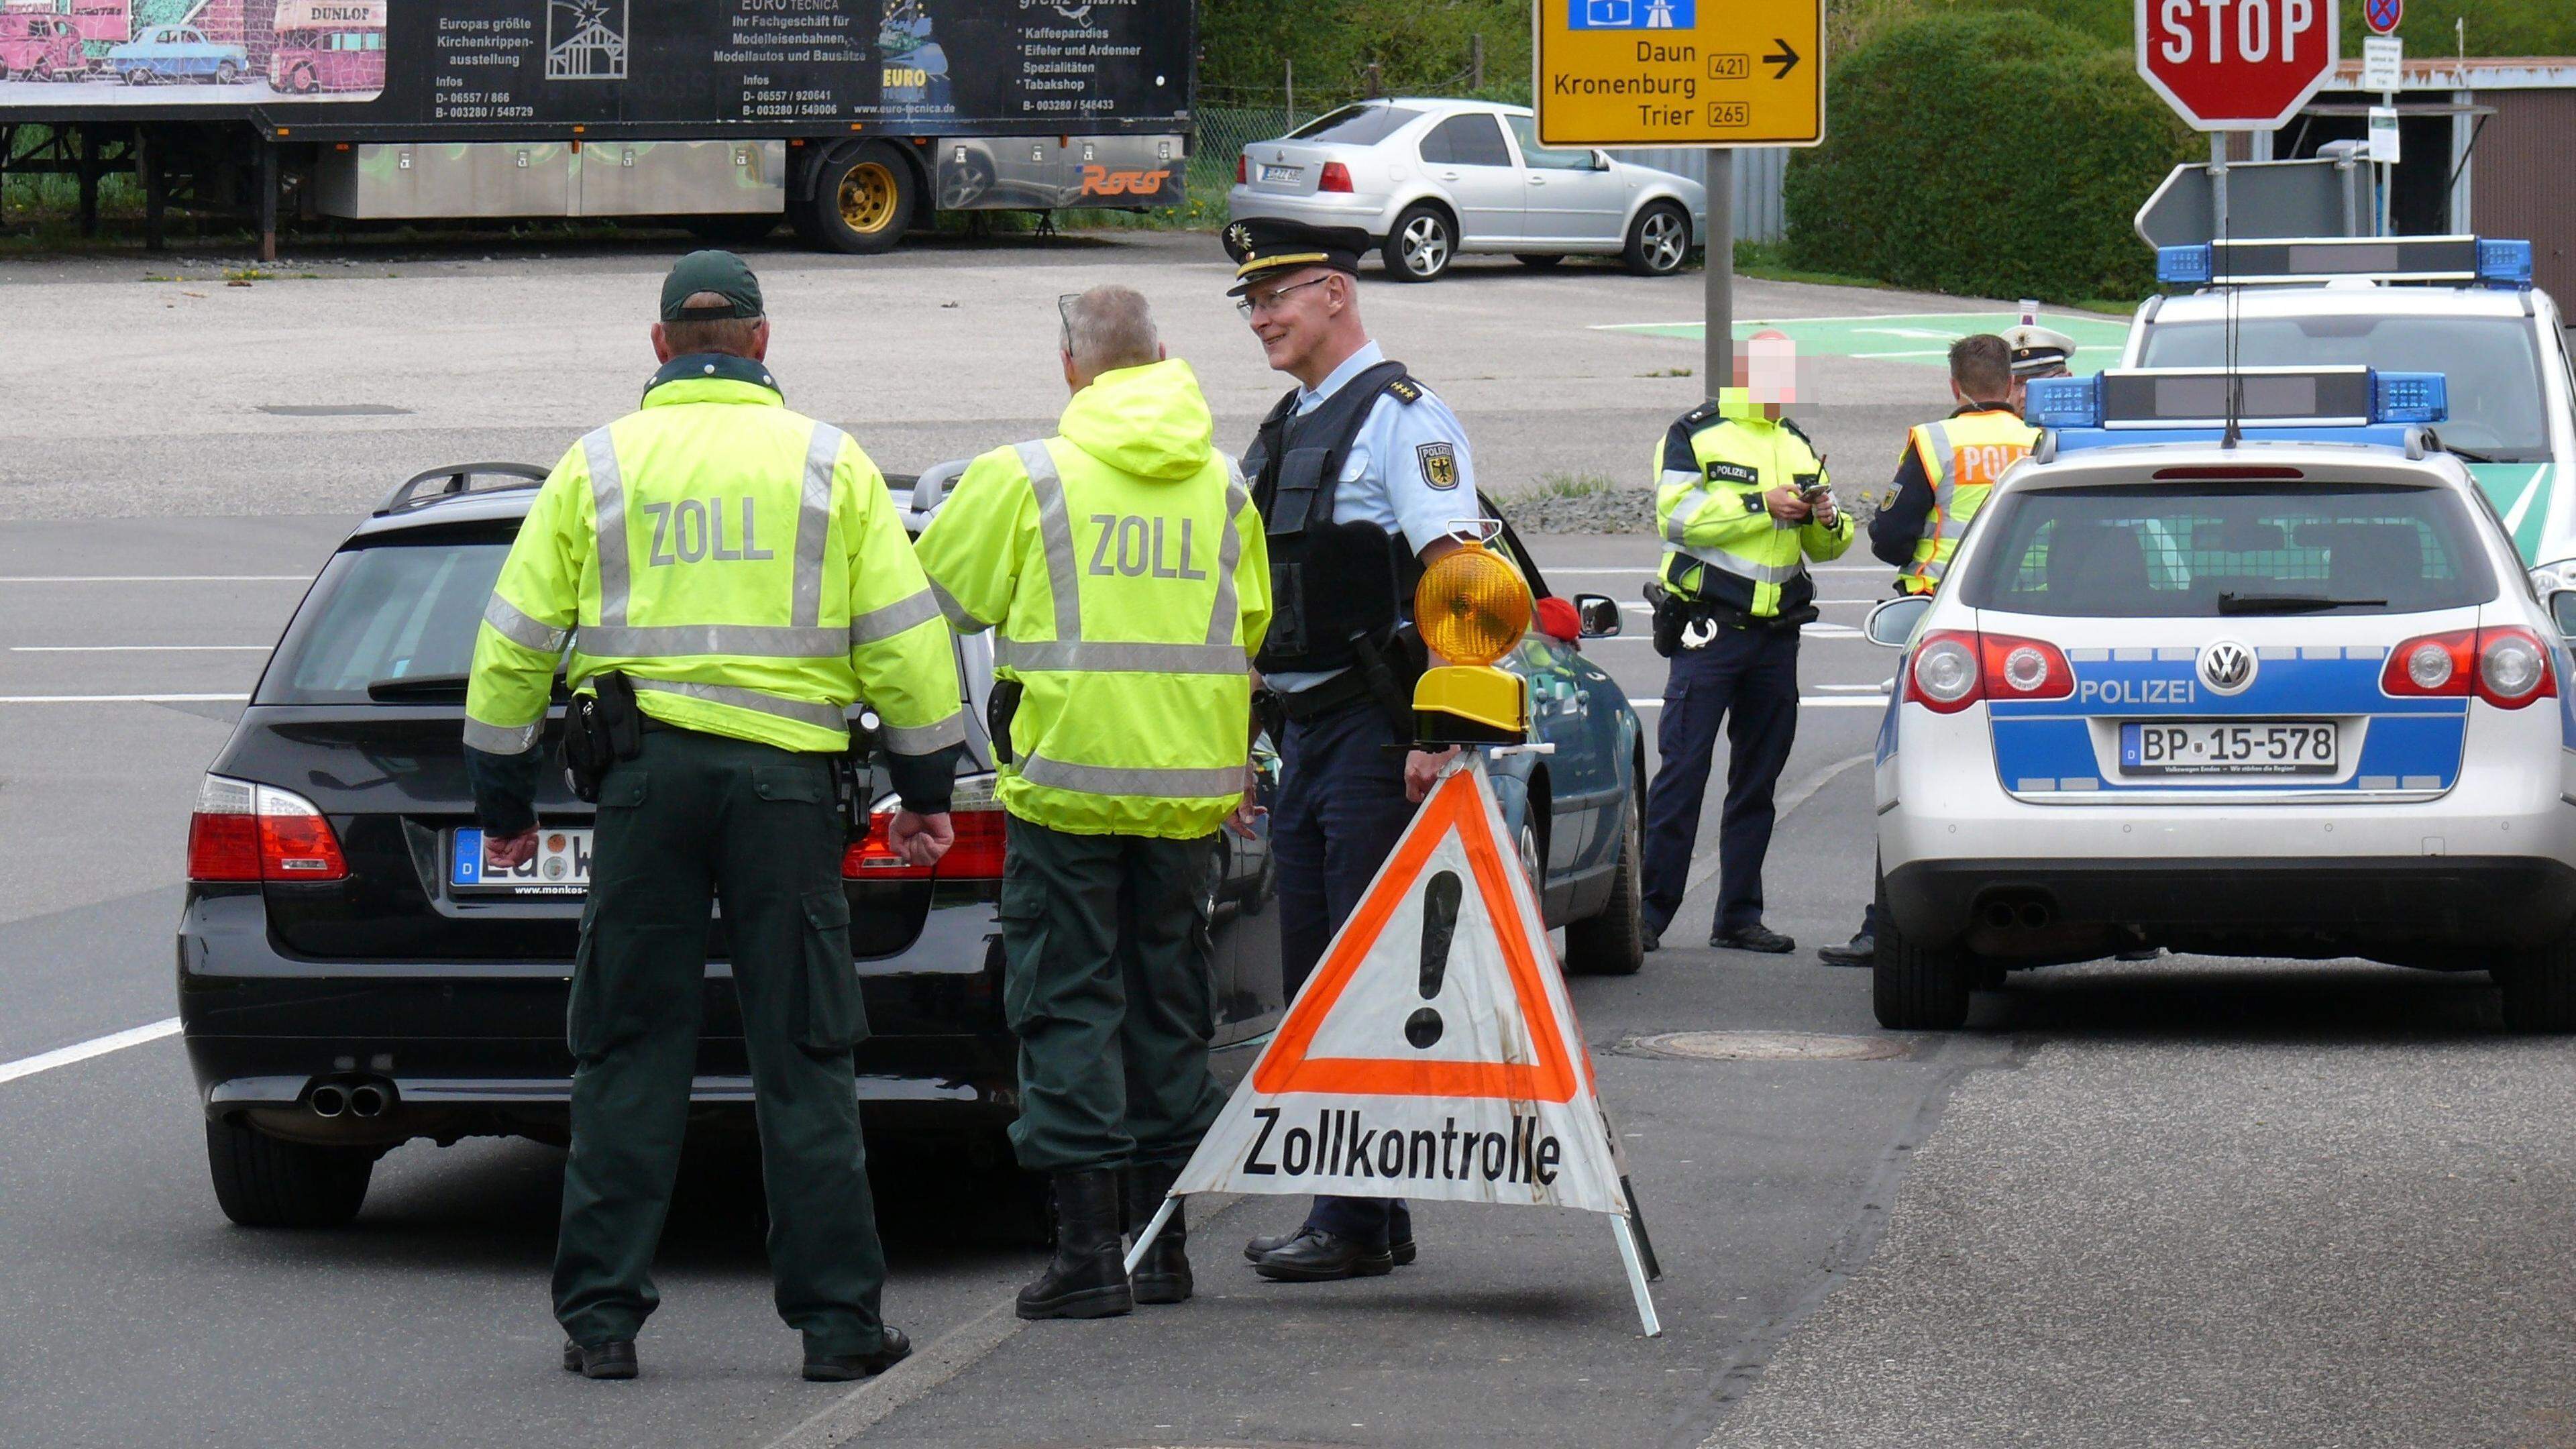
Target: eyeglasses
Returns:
[[1248, 305], [1064, 314]]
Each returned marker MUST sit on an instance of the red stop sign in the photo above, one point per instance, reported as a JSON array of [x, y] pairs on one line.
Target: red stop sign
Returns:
[[2236, 65]]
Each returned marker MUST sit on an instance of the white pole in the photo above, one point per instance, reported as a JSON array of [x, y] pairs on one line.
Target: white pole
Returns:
[[1153, 1230], [1636, 1275]]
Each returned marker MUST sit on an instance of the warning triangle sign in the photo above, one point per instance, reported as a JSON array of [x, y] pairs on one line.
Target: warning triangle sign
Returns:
[[1434, 1052]]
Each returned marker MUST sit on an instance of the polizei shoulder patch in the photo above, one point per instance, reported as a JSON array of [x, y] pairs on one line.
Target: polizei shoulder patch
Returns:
[[1439, 465]]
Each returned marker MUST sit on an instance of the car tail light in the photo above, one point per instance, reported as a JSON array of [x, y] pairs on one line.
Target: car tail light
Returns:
[[1242, 168], [2431, 666], [1334, 177], [977, 853], [2513, 667], [2017, 668], [1944, 676], [247, 832]]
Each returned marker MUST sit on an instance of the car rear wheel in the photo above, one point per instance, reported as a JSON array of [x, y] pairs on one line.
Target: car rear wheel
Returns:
[[1613, 943], [1421, 245], [2540, 989], [262, 1182], [226, 73], [1914, 988], [1538, 261], [138, 77], [1658, 240]]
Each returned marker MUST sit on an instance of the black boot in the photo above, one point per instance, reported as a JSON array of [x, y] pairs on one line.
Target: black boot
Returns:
[[1163, 1274], [1088, 1278]]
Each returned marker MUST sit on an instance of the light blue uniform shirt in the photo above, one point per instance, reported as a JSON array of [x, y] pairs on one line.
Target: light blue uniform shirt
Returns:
[[1386, 476]]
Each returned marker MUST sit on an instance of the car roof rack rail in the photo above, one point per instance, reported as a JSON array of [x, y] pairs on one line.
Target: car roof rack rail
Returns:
[[455, 481]]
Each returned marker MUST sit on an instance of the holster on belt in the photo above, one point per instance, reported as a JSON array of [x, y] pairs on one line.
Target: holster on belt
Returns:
[[1392, 661], [602, 726], [1000, 708], [1674, 615]]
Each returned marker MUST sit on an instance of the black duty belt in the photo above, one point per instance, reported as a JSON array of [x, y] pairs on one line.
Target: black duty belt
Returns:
[[1339, 692]]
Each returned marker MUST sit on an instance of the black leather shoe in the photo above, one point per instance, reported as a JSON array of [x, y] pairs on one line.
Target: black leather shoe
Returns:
[[1861, 950], [614, 1359], [1312, 1255], [1756, 937], [1163, 1274], [1088, 1277], [1400, 1251], [843, 1368], [1650, 938]]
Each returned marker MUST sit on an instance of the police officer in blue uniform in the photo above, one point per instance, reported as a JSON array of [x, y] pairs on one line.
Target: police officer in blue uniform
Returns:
[[1360, 474]]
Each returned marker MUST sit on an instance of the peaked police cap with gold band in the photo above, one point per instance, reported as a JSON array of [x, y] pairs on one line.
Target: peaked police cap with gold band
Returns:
[[1262, 245]]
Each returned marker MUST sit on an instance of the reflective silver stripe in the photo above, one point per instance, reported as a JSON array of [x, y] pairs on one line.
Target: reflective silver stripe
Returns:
[[1080, 657], [966, 623], [1055, 527], [1672, 476], [1221, 619], [894, 618], [922, 739], [608, 502], [521, 630], [1742, 568], [821, 716], [746, 641], [1677, 518], [1113, 780], [494, 739], [814, 521]]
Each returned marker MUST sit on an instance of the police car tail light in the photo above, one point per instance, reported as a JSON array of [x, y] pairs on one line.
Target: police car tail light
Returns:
[[2018, 668], [1334, 177], [2432, 666], [1945, 676], [976, 854], [2513, 667], [246, 832]]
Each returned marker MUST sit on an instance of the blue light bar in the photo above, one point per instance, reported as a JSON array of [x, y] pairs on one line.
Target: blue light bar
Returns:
[[2183, 266], [2065, 402], [2505, 265], [2410, 397]]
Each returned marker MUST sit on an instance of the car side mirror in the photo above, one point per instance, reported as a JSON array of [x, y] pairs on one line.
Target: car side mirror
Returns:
[[2562, 612], [1600, 160], [1892, 623], [1600, 614]]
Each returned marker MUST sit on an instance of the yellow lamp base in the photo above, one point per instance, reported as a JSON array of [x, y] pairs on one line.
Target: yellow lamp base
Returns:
[[1470, 705]]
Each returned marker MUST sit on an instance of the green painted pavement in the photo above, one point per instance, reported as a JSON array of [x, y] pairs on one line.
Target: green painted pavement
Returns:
[[1917, 337], [2520, 493]]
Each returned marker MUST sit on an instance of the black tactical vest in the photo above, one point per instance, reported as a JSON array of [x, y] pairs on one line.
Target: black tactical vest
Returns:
[[1330, 583]]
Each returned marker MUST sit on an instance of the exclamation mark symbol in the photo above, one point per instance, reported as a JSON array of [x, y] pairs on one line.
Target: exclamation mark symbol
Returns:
[[1439, 926]]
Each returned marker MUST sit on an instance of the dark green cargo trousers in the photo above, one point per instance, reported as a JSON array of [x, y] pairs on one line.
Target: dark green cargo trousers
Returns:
[[699, 816], [1110, 985]]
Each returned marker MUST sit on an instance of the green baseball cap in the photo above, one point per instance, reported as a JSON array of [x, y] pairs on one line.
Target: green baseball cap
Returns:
[[722, 273]]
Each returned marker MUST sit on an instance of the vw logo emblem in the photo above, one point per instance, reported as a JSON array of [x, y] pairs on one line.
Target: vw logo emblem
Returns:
[[2227, 667]]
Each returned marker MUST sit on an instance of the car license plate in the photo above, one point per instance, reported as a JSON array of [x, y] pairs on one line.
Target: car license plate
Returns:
[[1281, 173], [2206, 747], [561, 866]]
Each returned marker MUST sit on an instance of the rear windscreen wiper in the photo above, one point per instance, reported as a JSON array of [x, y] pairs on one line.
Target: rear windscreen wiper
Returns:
[[433, 686], [2469, 455], [2229, 603]]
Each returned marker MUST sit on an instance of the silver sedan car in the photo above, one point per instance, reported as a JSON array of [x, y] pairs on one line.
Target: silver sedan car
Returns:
[[1428, 179]]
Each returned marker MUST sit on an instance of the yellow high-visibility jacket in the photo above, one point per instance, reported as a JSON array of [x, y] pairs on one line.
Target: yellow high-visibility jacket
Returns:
[[1720, 542], [741, 563], [1122, 567], [1961, 456]]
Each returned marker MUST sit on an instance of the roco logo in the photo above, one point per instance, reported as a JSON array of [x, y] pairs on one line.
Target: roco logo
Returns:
[[2227, 667], [1101, 181]]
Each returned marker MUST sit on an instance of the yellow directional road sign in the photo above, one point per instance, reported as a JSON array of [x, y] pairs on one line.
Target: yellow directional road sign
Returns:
[[1680, 72]]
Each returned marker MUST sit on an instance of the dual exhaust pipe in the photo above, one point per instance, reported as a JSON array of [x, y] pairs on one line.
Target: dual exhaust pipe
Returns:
[[2007, 913], [364, 1097]]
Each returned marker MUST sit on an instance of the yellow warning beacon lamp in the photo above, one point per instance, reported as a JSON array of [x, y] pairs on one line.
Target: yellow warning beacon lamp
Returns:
[[1472, 608]]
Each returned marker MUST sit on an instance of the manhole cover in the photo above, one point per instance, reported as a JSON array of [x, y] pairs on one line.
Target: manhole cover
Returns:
[[1764, 1046]]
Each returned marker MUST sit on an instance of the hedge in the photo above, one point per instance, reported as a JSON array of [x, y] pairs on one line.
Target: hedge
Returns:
[[1987, 153]]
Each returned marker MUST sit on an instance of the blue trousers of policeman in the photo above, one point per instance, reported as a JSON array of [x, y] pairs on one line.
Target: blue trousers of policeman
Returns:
[[1341, 809], [1747, 681]]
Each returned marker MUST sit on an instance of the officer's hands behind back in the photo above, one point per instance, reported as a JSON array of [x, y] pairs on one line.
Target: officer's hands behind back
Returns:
[[921, 839]]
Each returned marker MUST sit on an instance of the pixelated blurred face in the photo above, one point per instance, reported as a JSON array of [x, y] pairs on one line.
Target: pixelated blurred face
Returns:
[[1766, 367]]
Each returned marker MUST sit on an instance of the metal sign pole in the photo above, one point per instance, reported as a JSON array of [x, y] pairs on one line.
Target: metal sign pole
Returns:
[[1718, 349], [2218, 184]]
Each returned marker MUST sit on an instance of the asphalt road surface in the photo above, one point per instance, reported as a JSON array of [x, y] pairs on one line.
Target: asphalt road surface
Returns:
[[2174, 1203]]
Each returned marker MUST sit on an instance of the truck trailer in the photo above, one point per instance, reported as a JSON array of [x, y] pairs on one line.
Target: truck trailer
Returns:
[[852, 120]]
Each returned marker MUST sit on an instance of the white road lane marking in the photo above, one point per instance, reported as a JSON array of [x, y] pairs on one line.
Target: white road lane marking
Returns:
[[124, 698], [1805, 701], [1646, 570], [1787, 801], [83, 1051], [156, 578], [139, 648]]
